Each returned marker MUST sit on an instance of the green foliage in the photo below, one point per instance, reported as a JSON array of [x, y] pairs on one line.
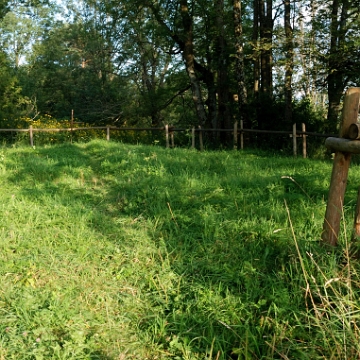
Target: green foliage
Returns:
[[69, 71], [112, 251], [122, 63], [314, 117], [77, 134], [12, 101], [307, 112], [304, 111]]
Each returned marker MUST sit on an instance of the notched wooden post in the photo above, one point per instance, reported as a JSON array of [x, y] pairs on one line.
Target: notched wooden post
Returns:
[[354, 131], [340, 169]]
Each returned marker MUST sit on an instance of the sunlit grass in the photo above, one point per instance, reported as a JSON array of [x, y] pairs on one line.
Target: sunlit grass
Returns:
[[112, 251]]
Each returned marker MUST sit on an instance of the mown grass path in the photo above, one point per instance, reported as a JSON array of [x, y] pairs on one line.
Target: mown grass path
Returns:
[[111, 251]]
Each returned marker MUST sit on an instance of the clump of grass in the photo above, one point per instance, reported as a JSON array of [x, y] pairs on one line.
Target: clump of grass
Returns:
[[137, 252], [331, 297]]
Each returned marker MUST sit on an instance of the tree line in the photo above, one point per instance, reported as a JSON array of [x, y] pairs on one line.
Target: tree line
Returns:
[[185, 63]]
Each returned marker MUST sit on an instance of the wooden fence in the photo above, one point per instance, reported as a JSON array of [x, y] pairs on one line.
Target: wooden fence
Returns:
[[169, 131]]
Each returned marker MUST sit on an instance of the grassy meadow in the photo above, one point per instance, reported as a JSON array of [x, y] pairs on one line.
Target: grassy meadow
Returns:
[[112, 251]]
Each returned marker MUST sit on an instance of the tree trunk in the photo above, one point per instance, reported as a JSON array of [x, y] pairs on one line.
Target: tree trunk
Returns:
[[240, 72], [222, 73], [188, 55], [186, 45], [266, 87], [256, 61], [336, 76], [289, 48], [266, 34], [255, 41]]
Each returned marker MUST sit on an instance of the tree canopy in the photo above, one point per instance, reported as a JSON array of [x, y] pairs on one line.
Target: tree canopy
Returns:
[[184, 62]]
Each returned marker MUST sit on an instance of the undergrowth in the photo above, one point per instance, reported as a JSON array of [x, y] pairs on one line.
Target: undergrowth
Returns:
[[112, 251]]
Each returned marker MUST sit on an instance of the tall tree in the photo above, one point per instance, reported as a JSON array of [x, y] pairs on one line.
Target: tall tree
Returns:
[[263, 27], [17, 33], [266, 39], [240, 67], [66, 73], [166, 51], [336, 79], [189, 59], [289, 63], [12, 102], [256, 48], [343, 66], [183, 36], [21, 27], [222, 64], [148, 57]]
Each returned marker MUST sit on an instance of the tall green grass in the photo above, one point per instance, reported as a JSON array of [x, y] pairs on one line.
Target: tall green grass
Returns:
[[112, 251]]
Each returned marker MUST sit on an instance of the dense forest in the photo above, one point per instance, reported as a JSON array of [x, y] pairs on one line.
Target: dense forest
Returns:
[[269, 63]]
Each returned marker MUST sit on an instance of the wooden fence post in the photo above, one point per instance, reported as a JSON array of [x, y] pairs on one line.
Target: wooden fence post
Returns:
[[167, 135], [172, 139], [201, 139], [331, 226], [193, 138], [31, 136], [241, 135], [235, 135], [108, 133], [72, 125], [303, 129], [294, 140]]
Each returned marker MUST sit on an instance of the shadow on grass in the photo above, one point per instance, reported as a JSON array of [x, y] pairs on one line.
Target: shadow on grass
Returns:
[[217, 219]]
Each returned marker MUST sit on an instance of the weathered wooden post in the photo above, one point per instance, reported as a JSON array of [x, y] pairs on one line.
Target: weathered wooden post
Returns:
[[31, 136], [201, 139], [303, 129], [108, 133], [294, 140], [294, 136], [167, 135], [172, 137], [235, 135], [343, 149], [72, 125], [241, 135]]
